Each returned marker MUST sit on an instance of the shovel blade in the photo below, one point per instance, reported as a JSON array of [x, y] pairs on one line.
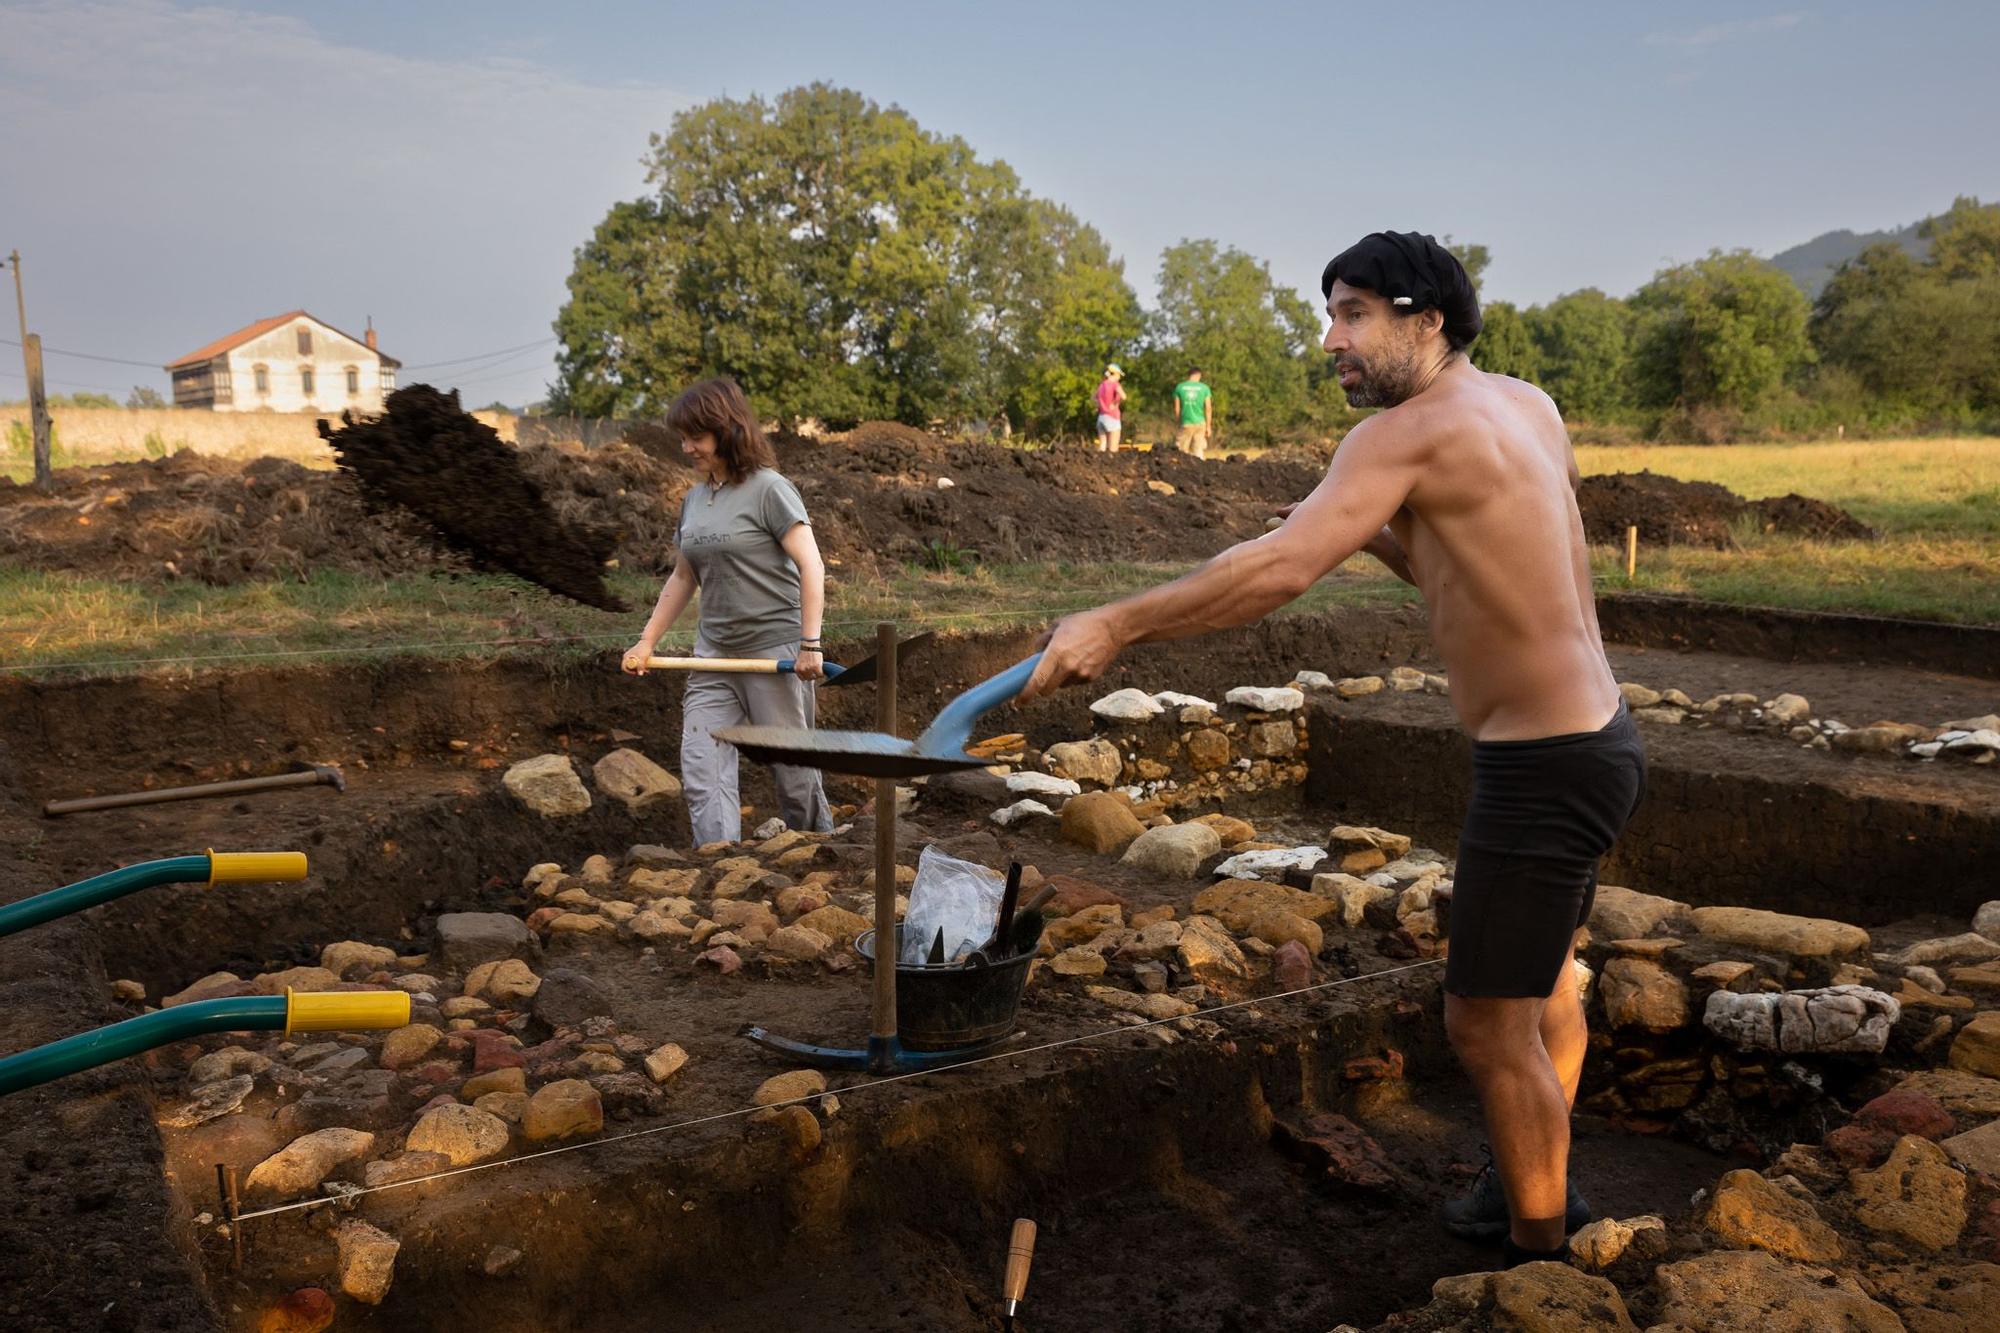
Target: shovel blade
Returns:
[[864, 754]]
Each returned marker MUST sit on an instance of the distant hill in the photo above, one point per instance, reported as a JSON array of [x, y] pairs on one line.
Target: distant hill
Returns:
[[1811, 264]]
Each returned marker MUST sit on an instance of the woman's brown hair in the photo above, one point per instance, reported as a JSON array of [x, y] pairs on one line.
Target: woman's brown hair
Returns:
[[717, 407]]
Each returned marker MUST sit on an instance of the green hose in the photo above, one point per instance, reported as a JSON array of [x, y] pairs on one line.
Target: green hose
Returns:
[[208, 868], [85, 1050]]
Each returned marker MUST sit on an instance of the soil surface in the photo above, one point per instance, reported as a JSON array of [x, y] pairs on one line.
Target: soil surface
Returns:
[[880, 495]]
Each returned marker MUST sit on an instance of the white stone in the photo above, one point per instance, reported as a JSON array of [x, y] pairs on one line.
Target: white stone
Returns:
[[1975, 742], [1970, 947], [1313, 680], [1271, 864], [1831, 1019], [1986, 921], [1042, 784], [1264, 699], [1175, 699], [1009, 815], [1127, 705]]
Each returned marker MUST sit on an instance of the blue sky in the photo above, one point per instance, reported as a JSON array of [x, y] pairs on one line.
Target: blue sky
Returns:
[[171, 172]]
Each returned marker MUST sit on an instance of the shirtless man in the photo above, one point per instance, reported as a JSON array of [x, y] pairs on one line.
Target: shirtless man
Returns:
[[1465, 487]]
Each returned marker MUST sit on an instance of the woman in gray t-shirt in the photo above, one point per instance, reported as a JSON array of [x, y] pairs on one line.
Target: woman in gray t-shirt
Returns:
[[746, 543]]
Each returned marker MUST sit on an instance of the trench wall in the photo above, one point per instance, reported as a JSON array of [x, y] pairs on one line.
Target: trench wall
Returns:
[[1705, 833]]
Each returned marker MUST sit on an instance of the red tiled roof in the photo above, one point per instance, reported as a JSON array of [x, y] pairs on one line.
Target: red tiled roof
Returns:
[[258, 330]]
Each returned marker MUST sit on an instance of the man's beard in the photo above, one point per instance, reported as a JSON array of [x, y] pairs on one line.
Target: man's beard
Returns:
[[1390, 383]]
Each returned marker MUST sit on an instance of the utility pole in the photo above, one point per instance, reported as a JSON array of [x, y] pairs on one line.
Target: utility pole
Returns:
[[38, 399]]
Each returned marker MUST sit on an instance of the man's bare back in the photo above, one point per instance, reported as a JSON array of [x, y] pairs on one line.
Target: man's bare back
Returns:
[[1494, 541], [1465, 486]]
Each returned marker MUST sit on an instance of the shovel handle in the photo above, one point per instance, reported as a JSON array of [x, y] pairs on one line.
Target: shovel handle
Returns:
[[751, 666], [951, 730]]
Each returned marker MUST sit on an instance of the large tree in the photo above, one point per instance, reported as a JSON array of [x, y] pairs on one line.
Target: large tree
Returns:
[[1723, 332], [840, 262], [1221, 312], [1584, 339], [1922, 337], [1505, 344]]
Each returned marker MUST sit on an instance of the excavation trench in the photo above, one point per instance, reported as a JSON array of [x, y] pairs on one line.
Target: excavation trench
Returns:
[[1155, 1170]]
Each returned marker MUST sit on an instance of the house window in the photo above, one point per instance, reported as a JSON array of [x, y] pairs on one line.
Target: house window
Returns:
[[353, 381], [388, 380], [305, 341], [306, 380], [263, 374]]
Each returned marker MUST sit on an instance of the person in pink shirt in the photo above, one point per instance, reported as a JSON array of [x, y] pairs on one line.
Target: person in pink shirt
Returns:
[[1110, 397]]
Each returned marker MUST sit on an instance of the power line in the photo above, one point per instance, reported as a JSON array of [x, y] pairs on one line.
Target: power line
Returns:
[[89, 356], [161, 365], [459, 361]]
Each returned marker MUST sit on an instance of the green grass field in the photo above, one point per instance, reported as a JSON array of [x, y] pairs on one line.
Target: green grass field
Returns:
[[1937, 503]]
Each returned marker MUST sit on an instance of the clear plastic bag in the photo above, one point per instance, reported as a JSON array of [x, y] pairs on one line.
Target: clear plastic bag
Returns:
[[961, 898]]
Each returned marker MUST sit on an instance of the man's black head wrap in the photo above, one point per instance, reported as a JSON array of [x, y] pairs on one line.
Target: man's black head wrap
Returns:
[[1412, 272]]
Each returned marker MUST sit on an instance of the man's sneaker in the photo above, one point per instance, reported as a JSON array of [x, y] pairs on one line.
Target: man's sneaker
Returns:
[[1481, 1212]]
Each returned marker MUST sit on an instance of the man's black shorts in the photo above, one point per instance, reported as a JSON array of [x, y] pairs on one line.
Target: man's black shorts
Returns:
[[1542, 813]]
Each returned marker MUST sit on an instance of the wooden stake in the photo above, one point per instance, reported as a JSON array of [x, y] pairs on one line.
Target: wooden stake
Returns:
[[1631, 552], [885, 840]]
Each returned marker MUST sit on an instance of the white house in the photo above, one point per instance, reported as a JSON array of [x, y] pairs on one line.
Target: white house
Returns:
[[287, 363]]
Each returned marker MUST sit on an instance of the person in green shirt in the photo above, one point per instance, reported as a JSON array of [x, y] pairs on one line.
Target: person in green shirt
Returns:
[[1197, 415]]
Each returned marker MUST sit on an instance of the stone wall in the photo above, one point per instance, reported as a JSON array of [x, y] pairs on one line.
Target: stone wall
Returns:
[[86, 435]]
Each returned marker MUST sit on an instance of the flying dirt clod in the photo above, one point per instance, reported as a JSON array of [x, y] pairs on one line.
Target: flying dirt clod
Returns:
[[428, 456]]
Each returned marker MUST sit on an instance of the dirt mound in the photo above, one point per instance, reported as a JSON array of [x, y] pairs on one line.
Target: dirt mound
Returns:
[[430, 457], [1671, 512], [211, 520], [881, 496], [886, 432], [883, 493], [1803, 516]]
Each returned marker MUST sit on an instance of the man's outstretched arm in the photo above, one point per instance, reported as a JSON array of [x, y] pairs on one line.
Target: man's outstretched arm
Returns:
[[1371, 475]]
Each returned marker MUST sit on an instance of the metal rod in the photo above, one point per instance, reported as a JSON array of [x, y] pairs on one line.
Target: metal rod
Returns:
[[326, 774], [886, 950], [235, 1218]]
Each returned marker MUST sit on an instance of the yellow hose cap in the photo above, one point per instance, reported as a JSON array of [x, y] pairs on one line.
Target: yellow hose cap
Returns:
[[345, 1011], [253, 867]]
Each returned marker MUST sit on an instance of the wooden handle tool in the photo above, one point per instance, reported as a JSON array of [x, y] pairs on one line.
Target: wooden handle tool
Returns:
[[1020, 1257]]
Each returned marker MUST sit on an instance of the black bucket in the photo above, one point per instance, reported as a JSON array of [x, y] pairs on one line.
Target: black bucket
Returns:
[[941, 1007]]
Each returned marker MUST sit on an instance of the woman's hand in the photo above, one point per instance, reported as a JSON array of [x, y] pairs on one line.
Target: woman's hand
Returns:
[[810, 664], [634, 663]]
